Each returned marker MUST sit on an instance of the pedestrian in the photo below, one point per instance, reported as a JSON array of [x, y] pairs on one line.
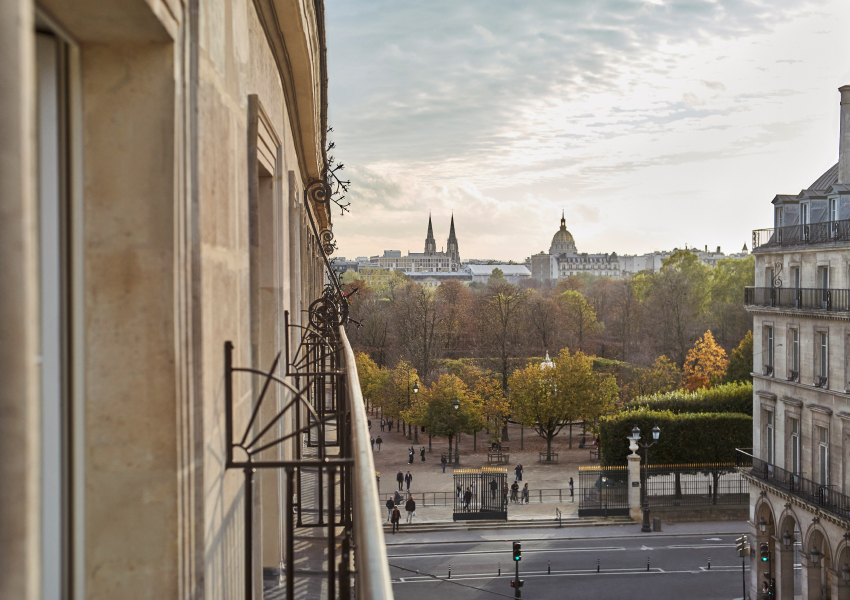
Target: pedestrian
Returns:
[[515, 492], [422, 453], [372, 441], [410, 507], [493, 487], [505, 494], [407, 479], [390, 425], [397, 498], [396, 518], [443, 462], [390, 507], [400, 478], [518, 471], [383, 423], [379, 441], [474, 491], [410, 455], [525, 493], [370, 424], [459, 492], [467, 498], [571, 490], [765, 590]]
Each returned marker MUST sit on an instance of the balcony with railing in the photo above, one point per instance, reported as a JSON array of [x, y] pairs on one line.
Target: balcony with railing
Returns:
[[816, 494], [798, 298], [810, 234]]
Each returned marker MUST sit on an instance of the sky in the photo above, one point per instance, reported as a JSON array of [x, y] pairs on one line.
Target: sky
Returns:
[[652, 124]]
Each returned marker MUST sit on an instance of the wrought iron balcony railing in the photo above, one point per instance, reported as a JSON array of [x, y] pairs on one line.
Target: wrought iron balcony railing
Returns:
[[816, 494], [827, 232], [799, 298]]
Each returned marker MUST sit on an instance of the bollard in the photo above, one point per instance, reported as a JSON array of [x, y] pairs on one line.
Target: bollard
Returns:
[[500, 569], [597, 565], [548, 567], [647, 562], [709, 563], [450, 571]]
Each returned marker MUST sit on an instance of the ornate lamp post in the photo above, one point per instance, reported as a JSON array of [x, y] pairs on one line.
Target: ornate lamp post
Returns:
[[415, 426], [845, 573], [656, 432], [456, 406], [787, 539]]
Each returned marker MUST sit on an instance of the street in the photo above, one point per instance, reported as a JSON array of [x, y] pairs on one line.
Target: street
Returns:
[[678, 568]]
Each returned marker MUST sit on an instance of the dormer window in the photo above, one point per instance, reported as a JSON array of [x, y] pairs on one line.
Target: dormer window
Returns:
[[779, 216], [833, 209]]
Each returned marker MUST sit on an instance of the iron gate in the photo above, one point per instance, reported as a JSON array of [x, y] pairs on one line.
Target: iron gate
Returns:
[[603, 491], [480, 494]]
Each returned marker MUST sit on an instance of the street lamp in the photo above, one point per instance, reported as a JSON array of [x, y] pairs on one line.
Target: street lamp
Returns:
[[815, 555], [656, 433], [456, 406], [762, 525], [787, 539], [845, 573], [416, 427]]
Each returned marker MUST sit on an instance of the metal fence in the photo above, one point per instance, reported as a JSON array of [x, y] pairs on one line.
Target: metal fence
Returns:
[[603, 491], [700, 484], [537, 496], [481, 494], [797, 235], [800, 298]]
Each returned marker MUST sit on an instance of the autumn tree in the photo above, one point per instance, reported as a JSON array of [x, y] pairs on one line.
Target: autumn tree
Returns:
[[453, 301], [543, 323], [579, 317], [491, 403], [550, 398], [705, 365], [662, 376], [397, 391], [729, 319], [415, 325], [741, 361], [435, 409]]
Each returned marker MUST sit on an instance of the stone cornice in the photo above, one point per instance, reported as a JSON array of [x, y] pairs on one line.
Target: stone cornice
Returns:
[[796, 384], [843, 415], [765, 395], [792, 401], [797, 312], [821, 409], [794, 500]]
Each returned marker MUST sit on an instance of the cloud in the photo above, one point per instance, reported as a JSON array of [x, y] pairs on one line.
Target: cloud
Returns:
[[714, 85]]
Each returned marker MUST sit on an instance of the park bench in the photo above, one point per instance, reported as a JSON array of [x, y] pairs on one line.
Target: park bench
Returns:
[[498, 458], [502, 449], [594, 454], [548, 457]]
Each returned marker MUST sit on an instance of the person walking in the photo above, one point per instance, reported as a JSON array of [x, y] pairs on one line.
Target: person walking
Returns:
[[410, 455], [443, 462], [467, 498], [372, 441], [493, 488], [379, 441], [370, 424], [422, 453], [383, 423], [410, 507], [397, 498], [571, 490], [515, 492], [518, 471], [505, 494], [400, 478], [396, 518], [390, 507], [407, 479], [525, 493]]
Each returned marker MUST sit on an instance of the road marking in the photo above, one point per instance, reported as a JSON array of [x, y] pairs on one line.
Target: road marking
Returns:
[[712, 540], [526, 550], [702, 546], [577, 573], [646, 548]]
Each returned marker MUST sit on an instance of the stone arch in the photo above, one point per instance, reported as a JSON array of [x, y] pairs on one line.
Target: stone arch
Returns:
[[817, 581], [763, 510], [842, 555], [786, 558]]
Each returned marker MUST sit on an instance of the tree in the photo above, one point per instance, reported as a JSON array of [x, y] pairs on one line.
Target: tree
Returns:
[[579, 317], [543, 320], [662, 376], [415, 324], [397, 391], [729, 318], [741, 361], [491, 403], [435, 409], [453, 303], [706, 363], [497, 276], [367, 373], [550, 398]]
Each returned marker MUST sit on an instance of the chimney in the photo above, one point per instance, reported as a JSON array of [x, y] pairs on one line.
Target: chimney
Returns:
[[718, 249], [844, 139], [706, 247]]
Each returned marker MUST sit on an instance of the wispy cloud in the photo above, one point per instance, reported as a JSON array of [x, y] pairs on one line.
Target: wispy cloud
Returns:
[[505, 112]]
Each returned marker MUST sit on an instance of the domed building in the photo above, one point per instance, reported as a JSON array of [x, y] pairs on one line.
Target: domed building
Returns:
[[564, 259], [563, 242]]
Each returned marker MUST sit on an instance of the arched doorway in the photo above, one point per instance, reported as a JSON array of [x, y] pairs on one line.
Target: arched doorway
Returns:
[[788, 545], [842, 587], [765, 533], [817, 564]]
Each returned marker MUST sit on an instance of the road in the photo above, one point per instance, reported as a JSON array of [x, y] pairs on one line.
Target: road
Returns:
[[678, 569]]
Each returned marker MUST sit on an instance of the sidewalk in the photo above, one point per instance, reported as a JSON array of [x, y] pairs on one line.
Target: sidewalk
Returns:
[[521, 512]]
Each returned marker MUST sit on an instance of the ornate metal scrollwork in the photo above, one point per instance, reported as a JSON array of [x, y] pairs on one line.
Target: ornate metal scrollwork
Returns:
[[328, 243], [318, 191], [777, 269]]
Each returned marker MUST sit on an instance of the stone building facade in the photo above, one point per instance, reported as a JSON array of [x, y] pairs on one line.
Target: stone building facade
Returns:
[[800, 497], [429, 261], [152, 172]]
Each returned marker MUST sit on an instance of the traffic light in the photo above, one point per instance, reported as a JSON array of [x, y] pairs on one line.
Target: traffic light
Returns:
[[515, 582], [742, 547], [764, 550], [517, 551]]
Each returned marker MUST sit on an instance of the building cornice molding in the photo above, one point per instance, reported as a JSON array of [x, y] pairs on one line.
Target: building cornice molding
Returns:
[[765, 395], [797, 313], [795, 384], [821, 409], [791, 400]]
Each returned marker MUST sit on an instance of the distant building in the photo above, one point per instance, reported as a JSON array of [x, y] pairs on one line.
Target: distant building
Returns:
[[513, 273], [429, 261]]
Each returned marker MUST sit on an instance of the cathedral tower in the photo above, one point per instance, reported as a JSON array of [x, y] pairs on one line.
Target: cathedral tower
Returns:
[[451, 246], [430, 242]]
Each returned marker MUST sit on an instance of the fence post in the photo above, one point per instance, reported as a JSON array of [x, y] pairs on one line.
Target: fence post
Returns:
[[635, 511]]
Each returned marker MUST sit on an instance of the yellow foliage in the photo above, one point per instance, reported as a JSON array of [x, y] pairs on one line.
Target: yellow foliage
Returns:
[[706, 364]]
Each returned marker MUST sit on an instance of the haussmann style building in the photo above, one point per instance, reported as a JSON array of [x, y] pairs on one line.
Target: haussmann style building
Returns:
[[800, 473], [180, 416]]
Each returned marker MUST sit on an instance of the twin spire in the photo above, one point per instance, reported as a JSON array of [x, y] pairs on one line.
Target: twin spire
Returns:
[[451, 246]]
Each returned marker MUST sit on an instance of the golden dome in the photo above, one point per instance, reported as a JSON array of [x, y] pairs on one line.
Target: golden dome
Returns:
[[562, 241]]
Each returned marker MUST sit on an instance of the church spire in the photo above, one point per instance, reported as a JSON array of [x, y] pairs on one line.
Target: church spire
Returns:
[[563, 220], [430, 242], [452, 237], [452, 248]]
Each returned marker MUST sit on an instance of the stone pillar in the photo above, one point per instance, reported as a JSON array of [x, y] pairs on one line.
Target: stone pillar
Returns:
[[757, 567], [784, 568], [635, 511], [811, 578], [840, 590]]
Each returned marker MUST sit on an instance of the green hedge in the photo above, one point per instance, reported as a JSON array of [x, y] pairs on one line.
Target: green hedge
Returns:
[[727, 398], [685, 437]]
